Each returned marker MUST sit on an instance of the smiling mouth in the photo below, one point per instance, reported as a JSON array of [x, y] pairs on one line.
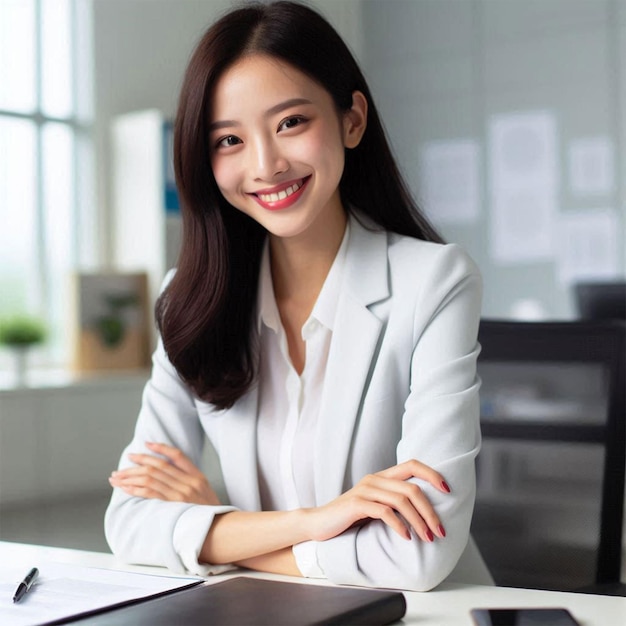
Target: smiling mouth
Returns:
[[282, 198], [280, 195]]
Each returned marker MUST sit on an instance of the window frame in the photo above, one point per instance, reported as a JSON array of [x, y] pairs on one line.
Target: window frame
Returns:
[[56, 353]]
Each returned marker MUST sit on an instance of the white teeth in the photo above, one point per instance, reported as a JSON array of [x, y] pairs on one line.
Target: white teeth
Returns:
[[281, 195]]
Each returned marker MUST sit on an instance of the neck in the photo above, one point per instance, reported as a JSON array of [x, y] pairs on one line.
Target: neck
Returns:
[[300, 265]]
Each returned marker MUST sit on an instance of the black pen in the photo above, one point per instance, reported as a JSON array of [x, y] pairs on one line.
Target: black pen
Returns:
[[26, 584]]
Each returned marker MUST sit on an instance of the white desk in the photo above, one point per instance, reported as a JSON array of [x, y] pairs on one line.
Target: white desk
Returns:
[[447, 605]]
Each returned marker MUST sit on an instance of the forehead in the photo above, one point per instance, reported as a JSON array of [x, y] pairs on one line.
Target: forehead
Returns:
[[260, 81]]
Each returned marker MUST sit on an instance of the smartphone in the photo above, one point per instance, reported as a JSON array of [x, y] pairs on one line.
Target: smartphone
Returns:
[[523, 617]]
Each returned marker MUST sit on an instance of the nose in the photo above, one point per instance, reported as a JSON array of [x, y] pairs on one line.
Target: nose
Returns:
[[266, 159]]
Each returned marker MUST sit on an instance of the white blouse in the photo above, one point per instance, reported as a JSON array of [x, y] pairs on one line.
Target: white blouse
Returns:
[[289, 403]]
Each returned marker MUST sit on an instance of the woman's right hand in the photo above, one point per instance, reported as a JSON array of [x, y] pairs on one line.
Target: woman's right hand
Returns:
[[168, 475], [385, 495]]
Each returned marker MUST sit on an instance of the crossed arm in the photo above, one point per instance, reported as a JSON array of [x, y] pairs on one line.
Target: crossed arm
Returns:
[[263, 540]]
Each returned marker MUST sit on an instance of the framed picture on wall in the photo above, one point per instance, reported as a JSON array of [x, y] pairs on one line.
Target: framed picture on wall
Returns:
[[111, 326]]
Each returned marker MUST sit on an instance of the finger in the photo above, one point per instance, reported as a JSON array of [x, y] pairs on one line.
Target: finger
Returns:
[[408, 500], [190, 487], [140, 492], [172, 477], [140, 470], [175, 455], [416, 469], [146, 487], [161, 464], [422, 514], [162, 484], [143, 492], [165, 488], [388, 516], [376, 510]]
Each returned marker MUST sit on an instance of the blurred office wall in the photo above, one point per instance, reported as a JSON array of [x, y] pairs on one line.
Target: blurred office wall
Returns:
[[509, 121]]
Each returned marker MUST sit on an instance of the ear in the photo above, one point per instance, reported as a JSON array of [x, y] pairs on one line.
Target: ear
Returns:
[[355, 121]]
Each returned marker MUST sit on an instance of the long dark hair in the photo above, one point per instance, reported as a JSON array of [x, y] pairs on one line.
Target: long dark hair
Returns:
[[206, 314]]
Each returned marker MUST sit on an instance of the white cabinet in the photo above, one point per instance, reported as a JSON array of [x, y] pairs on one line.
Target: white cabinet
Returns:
[[146, 219]]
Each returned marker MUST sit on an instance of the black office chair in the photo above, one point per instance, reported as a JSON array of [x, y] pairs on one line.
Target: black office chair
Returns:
[[541, 406], [601, 300]]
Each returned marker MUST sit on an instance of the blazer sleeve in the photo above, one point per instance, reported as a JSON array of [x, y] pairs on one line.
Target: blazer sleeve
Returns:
[[440, 427], [151, 531]]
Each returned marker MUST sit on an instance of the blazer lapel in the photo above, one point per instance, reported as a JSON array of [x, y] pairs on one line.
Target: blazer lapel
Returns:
[[238, 453], [356, 334]]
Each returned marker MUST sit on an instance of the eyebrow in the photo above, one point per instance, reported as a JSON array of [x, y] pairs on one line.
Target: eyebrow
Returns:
[[277, 108]]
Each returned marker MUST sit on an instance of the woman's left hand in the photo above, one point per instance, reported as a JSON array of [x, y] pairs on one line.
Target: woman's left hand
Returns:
[[170, 476]]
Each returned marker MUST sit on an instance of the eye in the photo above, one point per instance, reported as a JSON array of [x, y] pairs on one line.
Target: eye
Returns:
[[291, 122], [228, 141]]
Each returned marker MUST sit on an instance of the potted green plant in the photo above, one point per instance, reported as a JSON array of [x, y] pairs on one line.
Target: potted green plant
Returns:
[[111, 327], [19, 333]]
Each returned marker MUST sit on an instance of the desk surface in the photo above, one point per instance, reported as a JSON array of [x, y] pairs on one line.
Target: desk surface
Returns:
[[447, 605]]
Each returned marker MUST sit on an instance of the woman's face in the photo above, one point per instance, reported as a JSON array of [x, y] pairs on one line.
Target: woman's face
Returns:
[[278, 146]]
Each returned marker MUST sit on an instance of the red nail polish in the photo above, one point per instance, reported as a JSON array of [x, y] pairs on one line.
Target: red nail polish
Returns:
[[444, 484], [442, 530], [429, 535]]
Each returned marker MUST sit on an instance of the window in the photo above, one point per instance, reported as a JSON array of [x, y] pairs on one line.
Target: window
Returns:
[[46, 172]]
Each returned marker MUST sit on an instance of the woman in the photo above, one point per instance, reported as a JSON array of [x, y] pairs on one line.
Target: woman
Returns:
[[317, 331]]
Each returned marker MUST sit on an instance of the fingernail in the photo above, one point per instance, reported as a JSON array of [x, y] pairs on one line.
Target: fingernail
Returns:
[[442, 530], [429, 535], [407, 534], [444, 484]]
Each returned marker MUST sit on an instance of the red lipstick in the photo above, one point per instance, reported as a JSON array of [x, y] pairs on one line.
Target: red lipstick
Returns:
[[281, 196]]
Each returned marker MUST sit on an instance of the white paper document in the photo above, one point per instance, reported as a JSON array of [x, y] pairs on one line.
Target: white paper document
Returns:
[[589, 245], [591, 166], [450, 181], [62, 590], [523, 186]]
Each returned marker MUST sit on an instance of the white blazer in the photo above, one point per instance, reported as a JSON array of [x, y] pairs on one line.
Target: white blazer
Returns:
[[401, 383]]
